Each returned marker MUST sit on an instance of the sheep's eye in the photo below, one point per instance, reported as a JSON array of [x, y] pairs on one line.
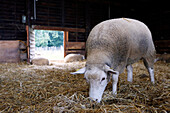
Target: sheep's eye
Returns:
[[103, 78]]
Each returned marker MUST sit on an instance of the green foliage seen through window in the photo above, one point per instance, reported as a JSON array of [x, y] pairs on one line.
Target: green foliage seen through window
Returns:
[[46, 38]]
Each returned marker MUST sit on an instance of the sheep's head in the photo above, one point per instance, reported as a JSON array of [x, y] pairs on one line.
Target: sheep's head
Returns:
[[97, 78]]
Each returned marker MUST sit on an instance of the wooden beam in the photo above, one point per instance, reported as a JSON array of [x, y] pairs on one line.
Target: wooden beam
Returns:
[[65, 41], [75, 45], [28, 44], [162, 43], [162, 46], [28, 13], [75, 52], [59, 28]]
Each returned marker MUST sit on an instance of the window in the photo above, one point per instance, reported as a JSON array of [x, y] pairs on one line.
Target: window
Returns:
[[49, 44]]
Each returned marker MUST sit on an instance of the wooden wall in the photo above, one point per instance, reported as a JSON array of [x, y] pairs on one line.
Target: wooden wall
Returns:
[[11, 12], [9, 51], [83, 14]]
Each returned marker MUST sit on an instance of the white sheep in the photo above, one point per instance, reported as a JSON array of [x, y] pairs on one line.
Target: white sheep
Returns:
[[73, 58], [113, 45], [40, 61]]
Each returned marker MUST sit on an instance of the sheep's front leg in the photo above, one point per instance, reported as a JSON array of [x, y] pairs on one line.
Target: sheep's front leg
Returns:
[[115, 81], [129, 73]]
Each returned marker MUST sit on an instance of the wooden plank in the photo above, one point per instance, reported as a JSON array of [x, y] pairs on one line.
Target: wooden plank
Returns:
[[161, 50], [162, 43], [28, 48], [59, 28], [9, 51], [65, 41], [82, 52], [162, 46], [75, 45]]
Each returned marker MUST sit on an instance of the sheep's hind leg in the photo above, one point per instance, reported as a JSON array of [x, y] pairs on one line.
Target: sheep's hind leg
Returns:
[[149, 65], [151, 73], [129, 73]]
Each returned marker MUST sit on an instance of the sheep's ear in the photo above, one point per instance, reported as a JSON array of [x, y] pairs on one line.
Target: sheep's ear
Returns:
[[109, 70], [80, 71]]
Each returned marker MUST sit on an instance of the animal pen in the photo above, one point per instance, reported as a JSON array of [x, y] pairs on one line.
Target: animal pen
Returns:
[[51, 88]]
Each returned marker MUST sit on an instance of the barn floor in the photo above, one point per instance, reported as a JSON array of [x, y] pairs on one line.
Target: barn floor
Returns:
[[29, 88]]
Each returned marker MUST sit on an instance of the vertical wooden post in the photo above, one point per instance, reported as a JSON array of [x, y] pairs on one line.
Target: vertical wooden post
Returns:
[[65, 41], [28, 14], [28, 48]]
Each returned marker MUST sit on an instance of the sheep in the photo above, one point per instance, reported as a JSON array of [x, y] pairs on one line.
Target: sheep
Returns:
[[112, 46], [73, 58], [40, 61]]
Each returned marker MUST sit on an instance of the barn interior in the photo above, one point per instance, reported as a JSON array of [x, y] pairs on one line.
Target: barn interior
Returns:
[[76, 18], [51, 88]]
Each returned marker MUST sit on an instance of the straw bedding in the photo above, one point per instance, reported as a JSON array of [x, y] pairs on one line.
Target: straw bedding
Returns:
[[30, 88]]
